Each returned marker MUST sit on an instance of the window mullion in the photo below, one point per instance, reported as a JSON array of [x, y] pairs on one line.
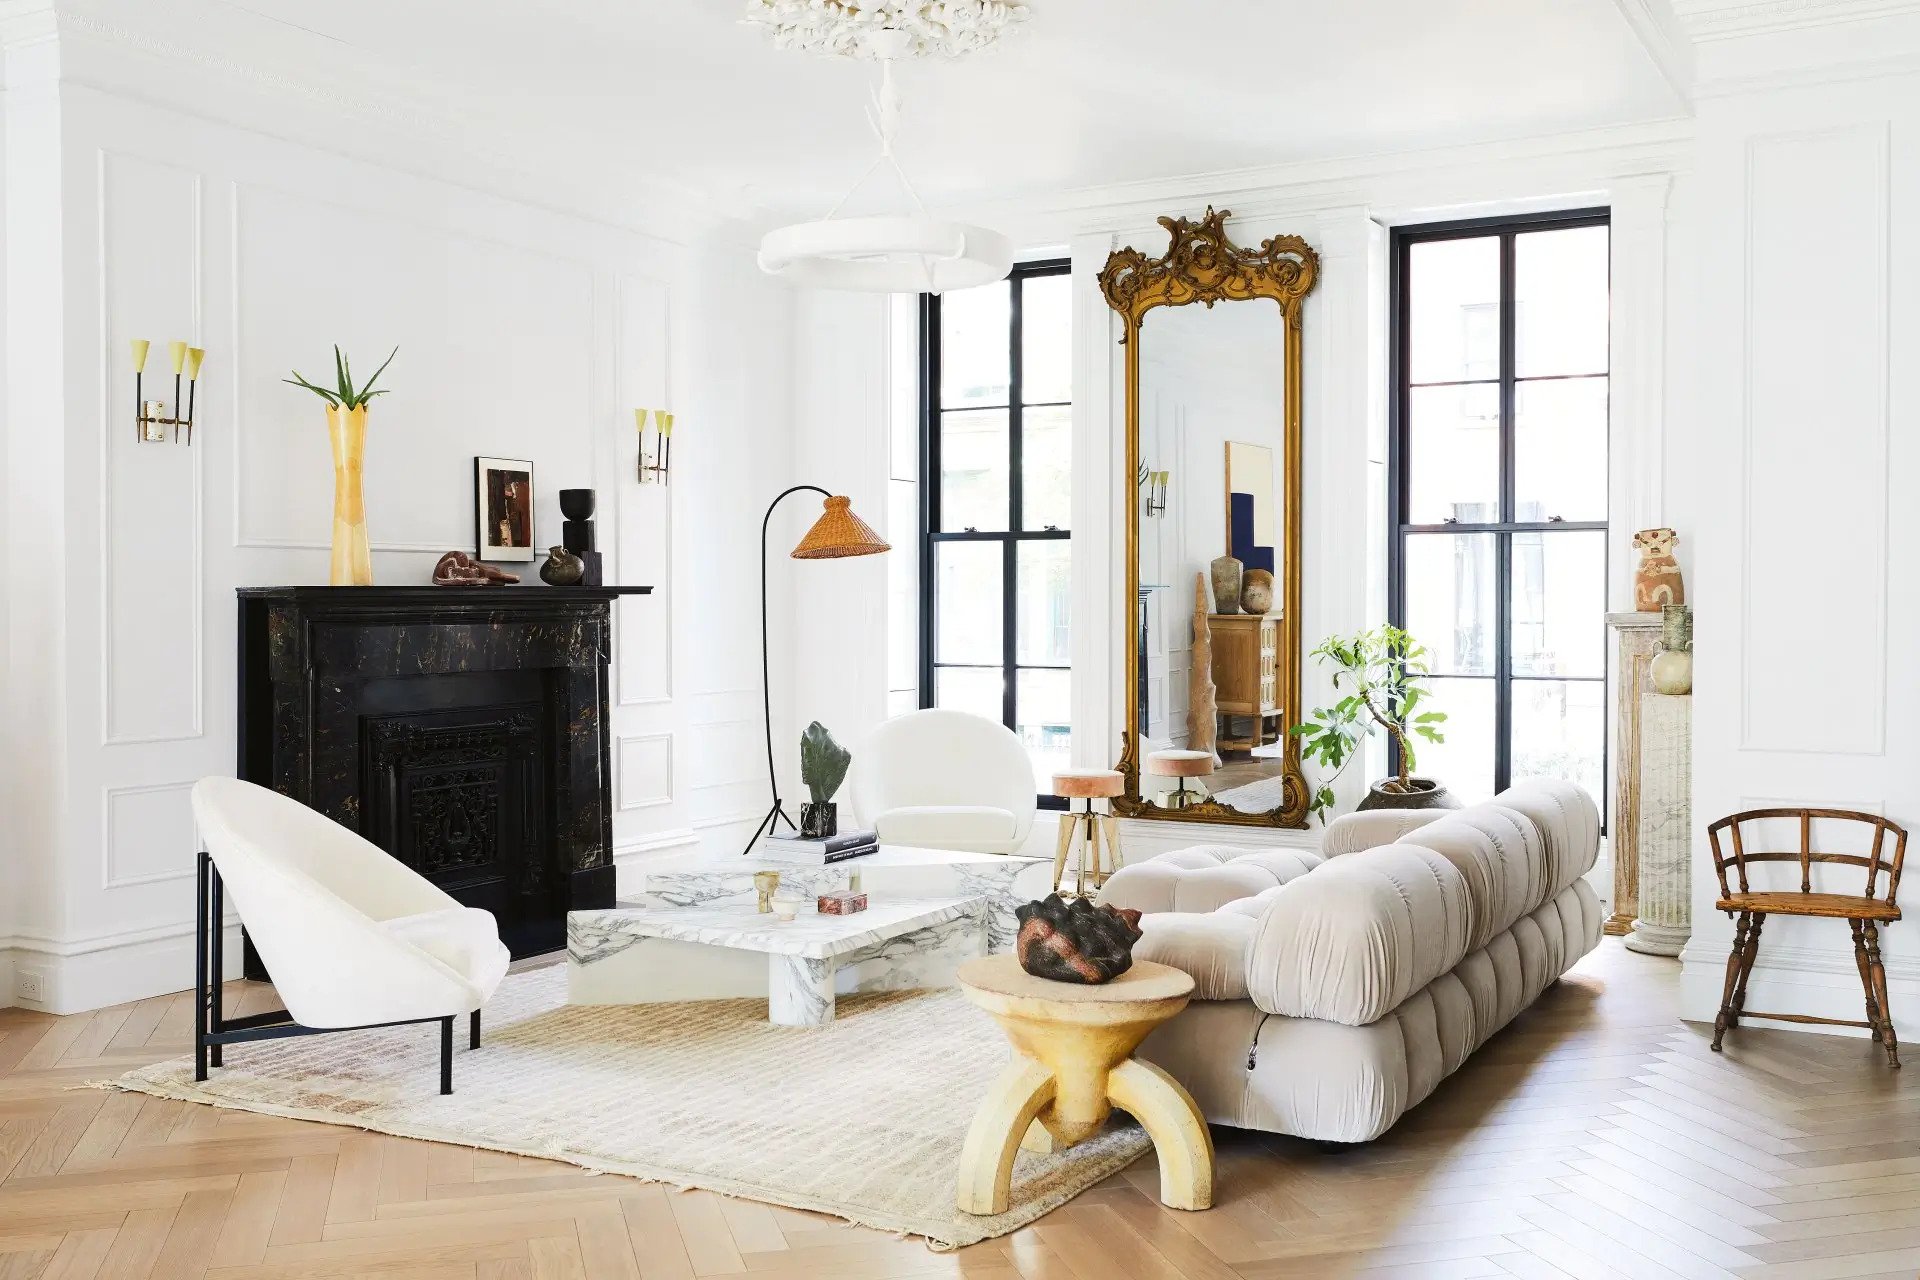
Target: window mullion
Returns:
[[1503, 542]]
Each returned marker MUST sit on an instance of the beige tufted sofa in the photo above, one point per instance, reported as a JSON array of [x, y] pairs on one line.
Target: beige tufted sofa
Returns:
[[1334, 991]]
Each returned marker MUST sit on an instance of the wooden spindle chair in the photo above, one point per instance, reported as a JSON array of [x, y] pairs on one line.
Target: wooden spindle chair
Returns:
[[1865, 913]]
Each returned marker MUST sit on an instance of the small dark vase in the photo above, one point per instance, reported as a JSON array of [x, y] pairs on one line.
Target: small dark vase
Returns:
[[1076, 941], [818, 821], [1426, 794], [576, 504], [562, 568]]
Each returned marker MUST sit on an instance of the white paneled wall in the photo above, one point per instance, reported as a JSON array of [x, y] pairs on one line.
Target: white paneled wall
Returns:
[[1804, 404], [522, 332]]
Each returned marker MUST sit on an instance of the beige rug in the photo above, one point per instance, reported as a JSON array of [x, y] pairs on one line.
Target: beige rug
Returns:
[[863, 1119]]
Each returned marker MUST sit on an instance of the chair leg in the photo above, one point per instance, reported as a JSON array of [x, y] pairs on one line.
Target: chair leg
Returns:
[[200, 947], [473, 1031], [1746, 968], [446, 1055], [1866, 976], [1879, 972], [1735, 963]]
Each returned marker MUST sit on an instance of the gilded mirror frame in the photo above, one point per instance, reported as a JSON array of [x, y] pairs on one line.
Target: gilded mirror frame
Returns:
[[1203, 265]]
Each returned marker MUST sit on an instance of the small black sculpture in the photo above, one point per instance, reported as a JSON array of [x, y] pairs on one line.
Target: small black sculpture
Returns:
[[1076, 941]]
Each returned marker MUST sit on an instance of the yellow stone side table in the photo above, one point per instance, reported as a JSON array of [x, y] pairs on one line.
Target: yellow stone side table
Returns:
[[1074, 1064]]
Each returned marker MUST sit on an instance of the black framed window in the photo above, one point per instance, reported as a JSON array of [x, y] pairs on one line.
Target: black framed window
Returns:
[[996, 490], [1497, 468]]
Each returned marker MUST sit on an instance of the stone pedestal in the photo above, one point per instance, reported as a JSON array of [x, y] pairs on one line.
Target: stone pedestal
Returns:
[[1664, 835], [1636, 640]]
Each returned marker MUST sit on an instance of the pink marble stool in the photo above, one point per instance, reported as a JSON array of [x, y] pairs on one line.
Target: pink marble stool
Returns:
[[1086, 827]]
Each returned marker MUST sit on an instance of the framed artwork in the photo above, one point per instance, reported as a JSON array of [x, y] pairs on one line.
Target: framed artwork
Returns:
[[502, 509], [1250, 504]]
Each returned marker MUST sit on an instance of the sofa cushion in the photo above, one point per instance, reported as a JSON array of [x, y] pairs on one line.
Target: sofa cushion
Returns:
[[963, 827], [1204, 877], [1355, 832], [1210, 946]]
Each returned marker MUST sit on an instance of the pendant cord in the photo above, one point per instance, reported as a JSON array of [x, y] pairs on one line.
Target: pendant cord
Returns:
[[883, 116]]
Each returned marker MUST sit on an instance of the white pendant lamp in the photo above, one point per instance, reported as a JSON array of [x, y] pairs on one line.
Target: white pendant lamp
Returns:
[[913, 253]]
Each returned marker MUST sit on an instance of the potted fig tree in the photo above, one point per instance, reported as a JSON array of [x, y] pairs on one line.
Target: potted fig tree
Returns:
[[1381, 674]]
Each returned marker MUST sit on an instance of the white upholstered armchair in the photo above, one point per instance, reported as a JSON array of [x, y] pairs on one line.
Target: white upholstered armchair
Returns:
[[350, 936], [945, 779]]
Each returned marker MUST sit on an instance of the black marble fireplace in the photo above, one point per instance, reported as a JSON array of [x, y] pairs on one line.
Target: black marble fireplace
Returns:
[[461, 729]]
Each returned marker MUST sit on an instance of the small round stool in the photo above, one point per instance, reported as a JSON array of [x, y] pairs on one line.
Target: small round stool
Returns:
[[1181, 765], [1086, 827]]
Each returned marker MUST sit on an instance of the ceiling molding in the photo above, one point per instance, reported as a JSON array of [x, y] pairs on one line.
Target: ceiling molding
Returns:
[[1658, 29], [1706, 20]]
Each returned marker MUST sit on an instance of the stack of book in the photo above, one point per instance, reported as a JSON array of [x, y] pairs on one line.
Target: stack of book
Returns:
[[817, 851]]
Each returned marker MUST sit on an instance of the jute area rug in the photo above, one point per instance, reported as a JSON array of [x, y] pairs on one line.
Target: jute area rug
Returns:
[[862, 1119]]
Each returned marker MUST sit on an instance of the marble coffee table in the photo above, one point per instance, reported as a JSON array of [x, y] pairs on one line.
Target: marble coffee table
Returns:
[[638, 954]]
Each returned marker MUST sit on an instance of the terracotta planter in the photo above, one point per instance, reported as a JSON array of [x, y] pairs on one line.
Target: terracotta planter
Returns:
[[352, 560], [1426, 794]]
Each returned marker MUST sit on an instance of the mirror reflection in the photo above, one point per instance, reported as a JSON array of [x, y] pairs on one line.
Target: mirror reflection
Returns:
[[1211, 703]]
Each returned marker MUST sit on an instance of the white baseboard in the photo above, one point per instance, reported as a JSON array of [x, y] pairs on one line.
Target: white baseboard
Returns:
[[92, 973], [1800, 980]]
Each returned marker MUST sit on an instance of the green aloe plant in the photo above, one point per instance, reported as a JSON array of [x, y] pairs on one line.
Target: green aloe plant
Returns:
[[345, 395], [823, 762]]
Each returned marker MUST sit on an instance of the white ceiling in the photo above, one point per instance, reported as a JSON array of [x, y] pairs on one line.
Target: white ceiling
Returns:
[[1089, 92]]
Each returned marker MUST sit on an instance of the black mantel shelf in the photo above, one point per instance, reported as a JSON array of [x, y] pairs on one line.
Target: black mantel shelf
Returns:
[[522, 596]]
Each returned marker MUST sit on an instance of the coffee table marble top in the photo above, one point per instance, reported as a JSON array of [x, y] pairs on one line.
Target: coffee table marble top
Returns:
[[743, 927]]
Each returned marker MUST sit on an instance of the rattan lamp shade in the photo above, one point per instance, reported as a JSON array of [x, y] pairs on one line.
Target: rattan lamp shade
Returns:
[[837, 533]]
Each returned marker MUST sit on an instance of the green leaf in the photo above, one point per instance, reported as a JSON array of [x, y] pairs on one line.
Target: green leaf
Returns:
[[367, 392], [1431, 717], [297, 381]]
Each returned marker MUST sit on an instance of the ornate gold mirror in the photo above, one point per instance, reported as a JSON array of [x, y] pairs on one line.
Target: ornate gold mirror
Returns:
[[1213, 412]]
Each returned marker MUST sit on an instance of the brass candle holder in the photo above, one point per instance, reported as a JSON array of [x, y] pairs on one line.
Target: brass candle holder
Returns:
[[151, 418], [662, 456]]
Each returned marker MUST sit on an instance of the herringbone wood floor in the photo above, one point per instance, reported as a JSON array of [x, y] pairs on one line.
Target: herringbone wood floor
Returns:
[[1596, 1137]]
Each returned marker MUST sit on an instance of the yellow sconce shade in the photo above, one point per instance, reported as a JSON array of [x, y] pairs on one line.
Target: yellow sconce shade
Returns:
[[640, 419], [140, 346], [194, 356], [839, 533], [178, 351], [663, 420]]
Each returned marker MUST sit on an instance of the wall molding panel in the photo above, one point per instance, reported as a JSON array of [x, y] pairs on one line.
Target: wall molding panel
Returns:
[[643, 770], [141, 808], [150, 274], [1793, 376]]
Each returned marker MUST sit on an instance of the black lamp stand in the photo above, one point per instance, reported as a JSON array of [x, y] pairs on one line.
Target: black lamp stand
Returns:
[[777, 814]]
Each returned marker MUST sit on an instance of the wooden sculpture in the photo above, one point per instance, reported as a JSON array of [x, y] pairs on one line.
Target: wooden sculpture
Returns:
[[1202, 708]]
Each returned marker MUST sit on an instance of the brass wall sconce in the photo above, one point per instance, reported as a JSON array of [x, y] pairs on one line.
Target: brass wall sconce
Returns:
[[662, 445], [1154, 485], [151, 417]]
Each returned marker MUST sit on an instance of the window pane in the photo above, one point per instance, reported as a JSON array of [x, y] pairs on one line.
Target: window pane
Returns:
[[1042, 602], [903, 590], [1450, 599], [1453, 309], [1560, 302], [975, 325], [1044, 708], [1046, 340], [1560, 449], [1559, 604], [974, 460], [975, 689], [1559, 727], [1453, 454], [1464, 762], [967, 576], [1046, 457]]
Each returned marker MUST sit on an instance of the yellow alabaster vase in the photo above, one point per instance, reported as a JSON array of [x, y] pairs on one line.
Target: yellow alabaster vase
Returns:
[[352, 560]]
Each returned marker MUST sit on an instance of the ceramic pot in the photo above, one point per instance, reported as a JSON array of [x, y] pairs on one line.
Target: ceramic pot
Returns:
[[352, 563], [1426, 794], [1256, 592], [765, 885], [1226, 585], [562, 568], [785, 908], [818, 821], [1671, 671]]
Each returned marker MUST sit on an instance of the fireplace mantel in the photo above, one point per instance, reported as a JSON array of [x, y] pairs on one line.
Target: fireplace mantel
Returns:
[[462, 729]]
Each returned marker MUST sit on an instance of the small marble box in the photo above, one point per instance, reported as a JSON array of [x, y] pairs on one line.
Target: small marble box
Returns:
[[841, 902]]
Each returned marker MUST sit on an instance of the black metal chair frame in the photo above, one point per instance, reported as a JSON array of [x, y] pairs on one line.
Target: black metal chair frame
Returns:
[[213, 1030]]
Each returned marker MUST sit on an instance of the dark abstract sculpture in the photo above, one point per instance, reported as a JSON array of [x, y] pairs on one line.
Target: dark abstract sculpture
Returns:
[[562, 568], [823, 767], [1076, 941]]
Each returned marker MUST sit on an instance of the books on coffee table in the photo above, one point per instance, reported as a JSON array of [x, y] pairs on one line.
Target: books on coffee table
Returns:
[[816, 850]]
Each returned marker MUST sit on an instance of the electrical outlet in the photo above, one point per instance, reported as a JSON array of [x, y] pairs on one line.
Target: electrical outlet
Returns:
[[30, 984]]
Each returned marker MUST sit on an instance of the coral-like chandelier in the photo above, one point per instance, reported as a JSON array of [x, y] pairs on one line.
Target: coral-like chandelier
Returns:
[[907, 254]]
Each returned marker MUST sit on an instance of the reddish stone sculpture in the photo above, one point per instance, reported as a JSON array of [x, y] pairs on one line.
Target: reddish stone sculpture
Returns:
[[1076, 941], [458, 569]]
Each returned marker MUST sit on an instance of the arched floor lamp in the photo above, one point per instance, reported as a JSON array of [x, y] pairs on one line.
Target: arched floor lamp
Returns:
[[838, 533]]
